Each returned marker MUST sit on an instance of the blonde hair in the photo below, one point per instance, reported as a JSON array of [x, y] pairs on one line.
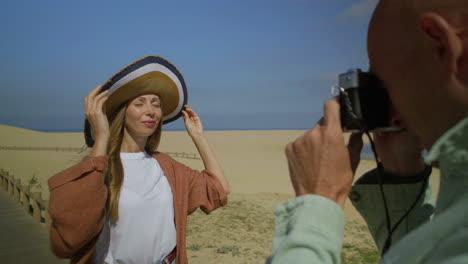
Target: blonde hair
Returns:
[[115, 173]]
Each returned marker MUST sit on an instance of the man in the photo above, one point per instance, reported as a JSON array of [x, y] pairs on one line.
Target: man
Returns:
[[419, 49]]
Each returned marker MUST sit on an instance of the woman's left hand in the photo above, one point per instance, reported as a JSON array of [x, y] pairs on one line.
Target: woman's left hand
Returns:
[[192, 121]]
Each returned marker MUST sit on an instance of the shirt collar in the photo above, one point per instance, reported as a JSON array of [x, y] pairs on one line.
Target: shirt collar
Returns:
[[452, 145]]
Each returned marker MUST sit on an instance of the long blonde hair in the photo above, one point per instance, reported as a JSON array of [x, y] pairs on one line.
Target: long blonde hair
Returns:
[[115, 173]]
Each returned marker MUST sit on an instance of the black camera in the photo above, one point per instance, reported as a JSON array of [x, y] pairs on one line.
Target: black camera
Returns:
[[364, 102]]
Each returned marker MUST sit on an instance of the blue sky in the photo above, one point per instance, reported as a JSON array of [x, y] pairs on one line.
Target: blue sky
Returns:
[[265, 64]]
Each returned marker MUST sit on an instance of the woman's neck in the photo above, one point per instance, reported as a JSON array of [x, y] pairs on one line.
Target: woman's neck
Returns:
[[132, 144]]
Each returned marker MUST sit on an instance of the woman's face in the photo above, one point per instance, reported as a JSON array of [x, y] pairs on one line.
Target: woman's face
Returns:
[[143, 115]]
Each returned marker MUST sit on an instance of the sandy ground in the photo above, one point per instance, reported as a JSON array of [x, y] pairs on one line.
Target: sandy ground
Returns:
[[254, 163]]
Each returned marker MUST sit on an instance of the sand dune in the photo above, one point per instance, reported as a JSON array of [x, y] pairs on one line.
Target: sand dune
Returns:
[[254, 161]]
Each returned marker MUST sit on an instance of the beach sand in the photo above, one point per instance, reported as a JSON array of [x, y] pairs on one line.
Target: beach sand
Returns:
[[254, 163]]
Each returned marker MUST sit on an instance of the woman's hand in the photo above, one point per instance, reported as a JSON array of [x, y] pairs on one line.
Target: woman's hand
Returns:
[[195, 130], [94, 104], [192, 122]]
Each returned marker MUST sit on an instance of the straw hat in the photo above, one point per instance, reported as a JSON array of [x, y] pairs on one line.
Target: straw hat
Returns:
[[150, 74]]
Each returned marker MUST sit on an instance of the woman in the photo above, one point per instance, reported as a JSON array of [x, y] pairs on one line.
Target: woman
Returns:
[[128, 203]]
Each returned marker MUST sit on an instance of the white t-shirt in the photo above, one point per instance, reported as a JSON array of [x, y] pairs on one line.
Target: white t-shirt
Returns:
[[145, 232]]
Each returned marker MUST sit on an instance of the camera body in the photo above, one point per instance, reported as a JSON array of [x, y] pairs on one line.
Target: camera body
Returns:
[[364, 103]]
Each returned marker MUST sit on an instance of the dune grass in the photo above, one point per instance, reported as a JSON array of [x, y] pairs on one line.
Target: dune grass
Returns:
[[242, 232]]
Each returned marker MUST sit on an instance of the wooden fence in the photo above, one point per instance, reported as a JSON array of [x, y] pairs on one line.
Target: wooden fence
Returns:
[[29, 148], [31, 202], [182, 155]]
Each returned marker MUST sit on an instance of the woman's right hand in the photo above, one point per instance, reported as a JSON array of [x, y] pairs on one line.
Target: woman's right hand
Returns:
[[94, 110]]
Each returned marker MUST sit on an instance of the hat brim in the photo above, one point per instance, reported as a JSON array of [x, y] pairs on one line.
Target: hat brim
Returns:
[[150, 74]]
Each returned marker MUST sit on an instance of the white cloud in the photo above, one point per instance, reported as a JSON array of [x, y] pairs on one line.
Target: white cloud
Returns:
[[363, 8]]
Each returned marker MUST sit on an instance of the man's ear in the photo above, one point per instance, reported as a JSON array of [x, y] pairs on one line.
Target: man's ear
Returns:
[[448, 46]]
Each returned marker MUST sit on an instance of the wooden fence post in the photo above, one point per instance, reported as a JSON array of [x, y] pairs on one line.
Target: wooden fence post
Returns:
[[10, 184], [25, 198], [1, 178], [5, 176], [5, 182], [36, 207], [17, 190], [36, 211], [47, 218]]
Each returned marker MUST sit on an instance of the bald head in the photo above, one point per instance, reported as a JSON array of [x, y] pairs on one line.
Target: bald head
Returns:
[[458, 6], [455, 11], [419, 49]]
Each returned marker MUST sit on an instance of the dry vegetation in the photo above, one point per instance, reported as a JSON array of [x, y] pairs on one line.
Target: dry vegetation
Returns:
[[242, 232]]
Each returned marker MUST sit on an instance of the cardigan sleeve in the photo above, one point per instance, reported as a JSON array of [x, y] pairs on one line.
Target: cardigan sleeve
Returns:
[[77, 206], [205, 190]]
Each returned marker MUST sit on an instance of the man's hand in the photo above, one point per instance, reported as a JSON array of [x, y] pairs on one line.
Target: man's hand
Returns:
[[319, 161]]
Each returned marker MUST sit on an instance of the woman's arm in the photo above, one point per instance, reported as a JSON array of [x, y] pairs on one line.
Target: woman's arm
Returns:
[[77, 206], [195, 130], [78, 194], [94, 103]]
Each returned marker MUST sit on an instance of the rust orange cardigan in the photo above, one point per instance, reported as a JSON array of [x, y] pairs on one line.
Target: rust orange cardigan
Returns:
[[78, 196]]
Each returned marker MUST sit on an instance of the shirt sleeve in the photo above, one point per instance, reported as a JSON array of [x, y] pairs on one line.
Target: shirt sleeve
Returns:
[[367, 199], [77, 206], [309, 229], [451, 249]]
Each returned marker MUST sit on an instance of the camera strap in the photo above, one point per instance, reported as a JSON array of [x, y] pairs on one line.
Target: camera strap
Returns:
[[344, 97], [380, 173]]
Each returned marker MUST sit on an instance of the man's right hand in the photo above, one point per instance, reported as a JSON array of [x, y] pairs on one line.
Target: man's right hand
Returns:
[[319, 162], [94, 104]]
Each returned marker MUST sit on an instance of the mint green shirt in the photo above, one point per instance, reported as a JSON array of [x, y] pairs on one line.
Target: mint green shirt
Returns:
[[309, 229]]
